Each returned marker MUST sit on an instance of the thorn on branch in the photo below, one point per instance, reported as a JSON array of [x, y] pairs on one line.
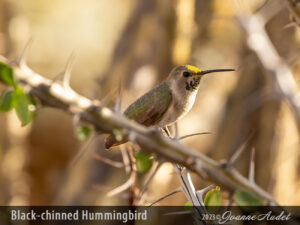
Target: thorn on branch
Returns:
[[239, 152], [22, 60], [118, 103], [251, 175], [201, 192], [167, 131], [67, 72], [176, 133]]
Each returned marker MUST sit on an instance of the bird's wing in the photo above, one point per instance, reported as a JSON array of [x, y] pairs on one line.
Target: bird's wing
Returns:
[[150, 108]]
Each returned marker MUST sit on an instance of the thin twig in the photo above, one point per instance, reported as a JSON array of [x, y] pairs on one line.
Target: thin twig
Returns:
[[166, 196], [149, 179], [192, 135], [289, 25], [122, 187], [82, 150], [126, 158], [108, 161]]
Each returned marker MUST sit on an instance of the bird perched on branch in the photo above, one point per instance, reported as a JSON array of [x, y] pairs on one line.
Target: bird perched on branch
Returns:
[[168, 102]]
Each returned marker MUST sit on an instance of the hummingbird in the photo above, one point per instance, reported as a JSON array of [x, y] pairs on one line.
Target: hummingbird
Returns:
[[168, 102]]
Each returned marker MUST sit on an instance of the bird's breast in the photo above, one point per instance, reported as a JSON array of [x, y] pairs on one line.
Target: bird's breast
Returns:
[[180, 106], [184, 105]]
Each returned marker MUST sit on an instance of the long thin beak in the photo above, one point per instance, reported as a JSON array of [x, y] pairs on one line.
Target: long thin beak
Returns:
[[213, 71]]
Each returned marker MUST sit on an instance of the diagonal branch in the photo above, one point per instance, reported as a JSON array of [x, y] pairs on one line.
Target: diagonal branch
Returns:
[[105, 120], [277, 70]]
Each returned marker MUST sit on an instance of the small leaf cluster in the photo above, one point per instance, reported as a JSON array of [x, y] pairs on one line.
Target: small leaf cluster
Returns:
[[15, 98], [143, 162], [242, 198], [83, 132], [247, 200], [213, 197]]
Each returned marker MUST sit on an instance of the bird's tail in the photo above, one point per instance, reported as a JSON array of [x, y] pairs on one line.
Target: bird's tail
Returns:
[[110, 141]]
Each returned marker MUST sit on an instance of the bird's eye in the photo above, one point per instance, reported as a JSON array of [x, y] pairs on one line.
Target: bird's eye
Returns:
[[186, 74]]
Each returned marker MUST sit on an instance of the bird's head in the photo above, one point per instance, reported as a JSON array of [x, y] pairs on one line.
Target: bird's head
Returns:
[[189, 76]]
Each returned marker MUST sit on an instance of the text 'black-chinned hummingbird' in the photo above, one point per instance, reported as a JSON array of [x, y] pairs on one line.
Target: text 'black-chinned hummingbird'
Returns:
[[168, 102]]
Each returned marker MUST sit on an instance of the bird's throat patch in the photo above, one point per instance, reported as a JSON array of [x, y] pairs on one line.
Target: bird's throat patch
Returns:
[[193, 84]]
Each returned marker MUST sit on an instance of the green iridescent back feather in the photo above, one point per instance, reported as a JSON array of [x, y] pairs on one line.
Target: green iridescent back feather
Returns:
[[147, 110], [150, 108]]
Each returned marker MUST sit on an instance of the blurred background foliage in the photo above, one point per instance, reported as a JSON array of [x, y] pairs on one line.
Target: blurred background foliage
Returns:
[[138, 42]]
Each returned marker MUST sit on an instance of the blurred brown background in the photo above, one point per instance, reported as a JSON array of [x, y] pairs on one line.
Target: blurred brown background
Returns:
[[139, 42]]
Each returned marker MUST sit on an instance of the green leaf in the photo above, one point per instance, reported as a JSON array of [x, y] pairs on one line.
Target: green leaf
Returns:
[[24, 105], [17, 93], [118, 134], [188, 205], [213, 197], [6, 75], [246, 198], [83, 133], [143, 162], [6, 101]]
